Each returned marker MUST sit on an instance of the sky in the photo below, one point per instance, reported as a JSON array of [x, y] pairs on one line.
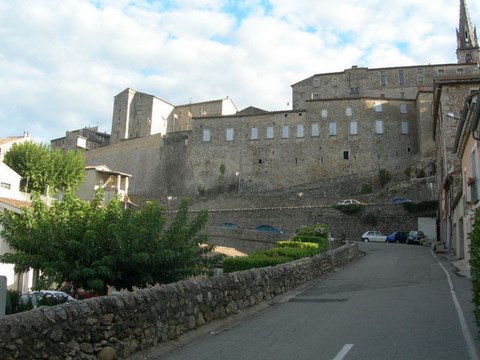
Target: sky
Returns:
[[63, 61]]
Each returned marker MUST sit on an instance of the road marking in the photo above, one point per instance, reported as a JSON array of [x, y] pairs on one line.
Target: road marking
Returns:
[[472, 352], [343, 352]]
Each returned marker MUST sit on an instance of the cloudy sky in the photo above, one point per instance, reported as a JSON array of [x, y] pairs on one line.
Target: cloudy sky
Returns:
[[63, 61]]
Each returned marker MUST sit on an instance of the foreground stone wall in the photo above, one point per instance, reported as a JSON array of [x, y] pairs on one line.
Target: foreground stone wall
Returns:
[[114, 327]]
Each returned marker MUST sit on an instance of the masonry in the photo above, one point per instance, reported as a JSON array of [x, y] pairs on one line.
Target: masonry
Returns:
[[117, 326]]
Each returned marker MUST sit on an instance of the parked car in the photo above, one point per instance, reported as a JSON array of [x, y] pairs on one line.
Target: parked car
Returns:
[[397, 237], [349, 202], [229, 225], [373, 235], [400, 200], [416, 237], [44, 297], [268, 228]]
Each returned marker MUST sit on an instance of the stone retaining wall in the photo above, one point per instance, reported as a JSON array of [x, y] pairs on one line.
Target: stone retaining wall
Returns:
[[115, 327]]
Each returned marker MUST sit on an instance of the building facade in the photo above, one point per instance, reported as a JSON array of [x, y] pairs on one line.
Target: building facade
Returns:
[[88, 138]]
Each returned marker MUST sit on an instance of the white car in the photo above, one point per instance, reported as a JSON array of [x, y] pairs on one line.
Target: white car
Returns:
[[349, 202], [46, 296], [373, 235]]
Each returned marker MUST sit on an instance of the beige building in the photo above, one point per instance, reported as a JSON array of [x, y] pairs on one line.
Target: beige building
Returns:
[[83, 139]]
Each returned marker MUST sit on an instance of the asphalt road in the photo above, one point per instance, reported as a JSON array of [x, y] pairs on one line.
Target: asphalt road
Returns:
[[397, 302]]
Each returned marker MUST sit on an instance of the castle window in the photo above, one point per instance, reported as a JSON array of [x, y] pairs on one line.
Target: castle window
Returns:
[[441, 72], [315, 130], [402, 95], [270, 132], [254, 134], [348, 111], [332, 129], [378, 127], [354, 90], [421, 80], [404, 127], [460, 71], [353, 128], [299, 131], [324, 113], [229, 134], [383, 79], [285, 132], [206, 135], [403, 108], [401, 77], [345, 155]]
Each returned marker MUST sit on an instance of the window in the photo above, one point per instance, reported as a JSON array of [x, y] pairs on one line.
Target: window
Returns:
[[335, 81], [348, 111], [401, 77], [354, 91], [300, 131], [206, 135], [285, 132], [5, 186], [353, 128], [421, 80], [441, 72], [378, 127], [345, 155], [460, 71], [383, 79], [402, 95], [332, 128], [270, 132], [403, 108], [315, 130], [474, 185], [229, 134], [404, 127], [324, 113], [378, 107], [254, 134]]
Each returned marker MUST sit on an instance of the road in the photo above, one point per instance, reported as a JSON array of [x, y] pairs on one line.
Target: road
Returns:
[[397, 302]]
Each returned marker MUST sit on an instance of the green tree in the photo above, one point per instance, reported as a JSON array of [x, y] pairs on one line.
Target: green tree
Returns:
[[42, 168], [94, 246]]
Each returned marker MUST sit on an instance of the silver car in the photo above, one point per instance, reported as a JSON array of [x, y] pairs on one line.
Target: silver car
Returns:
[[373, 235]]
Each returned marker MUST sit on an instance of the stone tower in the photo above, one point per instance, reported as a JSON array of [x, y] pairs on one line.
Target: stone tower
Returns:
[[467, 42]]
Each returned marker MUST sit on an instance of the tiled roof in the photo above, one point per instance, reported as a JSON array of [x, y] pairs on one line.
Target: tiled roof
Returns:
[[17, 204]]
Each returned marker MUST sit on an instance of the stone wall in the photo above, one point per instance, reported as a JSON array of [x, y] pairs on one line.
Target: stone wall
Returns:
[[116, 326]]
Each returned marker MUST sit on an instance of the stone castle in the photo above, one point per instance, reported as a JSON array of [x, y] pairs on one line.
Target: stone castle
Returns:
[[354, 122]]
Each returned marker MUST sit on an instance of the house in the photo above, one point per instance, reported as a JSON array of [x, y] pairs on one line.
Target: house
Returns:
[[113, 183], [87, 138], [7, 143]]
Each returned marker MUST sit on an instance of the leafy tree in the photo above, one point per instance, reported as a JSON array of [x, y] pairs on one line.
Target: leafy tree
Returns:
[[94, 246], [42, 168]]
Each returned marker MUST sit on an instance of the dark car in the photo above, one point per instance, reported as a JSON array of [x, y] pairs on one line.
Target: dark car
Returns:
[[397, 237], [268, 228], [416, 237], [400, 200]]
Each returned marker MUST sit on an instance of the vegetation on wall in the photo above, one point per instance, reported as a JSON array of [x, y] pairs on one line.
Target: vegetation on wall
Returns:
[[426, 208], [93, 246], [475, 265], [370, 218], [367, 188], [222, 170], [309, 241], [383, 177], [42, 168]]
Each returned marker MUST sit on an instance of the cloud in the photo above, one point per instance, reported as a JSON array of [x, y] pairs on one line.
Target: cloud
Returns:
[[62, 62]]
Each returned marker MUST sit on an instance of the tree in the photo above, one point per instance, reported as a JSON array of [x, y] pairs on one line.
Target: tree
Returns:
[[94, 246], [42, 168]]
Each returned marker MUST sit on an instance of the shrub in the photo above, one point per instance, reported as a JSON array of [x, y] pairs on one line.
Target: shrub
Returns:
[[349, 209], [383, 177], [239, 263], [298, 244], [422, 207], [367, 188], [294, 253], [475, 265]]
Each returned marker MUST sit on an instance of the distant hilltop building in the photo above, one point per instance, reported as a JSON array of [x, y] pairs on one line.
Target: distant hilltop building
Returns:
[[354, 122], [88, 138]]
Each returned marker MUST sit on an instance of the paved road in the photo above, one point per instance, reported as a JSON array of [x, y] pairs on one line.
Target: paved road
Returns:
[[397, 302]]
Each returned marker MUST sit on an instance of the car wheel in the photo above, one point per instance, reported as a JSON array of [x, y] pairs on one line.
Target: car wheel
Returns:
[[366, 240]]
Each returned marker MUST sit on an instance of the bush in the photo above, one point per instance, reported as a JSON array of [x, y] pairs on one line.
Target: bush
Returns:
[[239, 263], [367, 188], [422, 207], [294, 253], [298, 244], [475, 265], [383, 177], [349, 209]]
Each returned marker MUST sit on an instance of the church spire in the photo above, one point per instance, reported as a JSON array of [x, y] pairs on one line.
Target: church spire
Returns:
[[467, 42]]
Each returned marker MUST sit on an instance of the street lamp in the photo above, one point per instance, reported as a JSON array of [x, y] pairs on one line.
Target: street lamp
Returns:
[[237, 174]]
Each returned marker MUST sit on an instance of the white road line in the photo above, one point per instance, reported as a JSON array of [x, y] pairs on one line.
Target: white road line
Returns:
[[472, 352], [343, 352]]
